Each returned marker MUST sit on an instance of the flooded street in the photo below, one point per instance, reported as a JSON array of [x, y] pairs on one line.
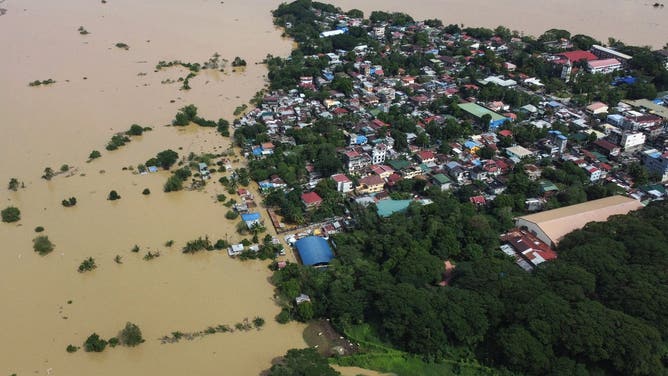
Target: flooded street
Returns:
[[100, 90]]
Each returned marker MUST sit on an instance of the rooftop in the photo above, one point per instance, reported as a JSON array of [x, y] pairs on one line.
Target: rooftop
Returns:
[[557, 223]]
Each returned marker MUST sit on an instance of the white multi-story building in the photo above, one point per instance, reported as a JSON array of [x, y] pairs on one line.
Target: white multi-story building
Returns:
[[379, 153], [632, 140], [604, 66]]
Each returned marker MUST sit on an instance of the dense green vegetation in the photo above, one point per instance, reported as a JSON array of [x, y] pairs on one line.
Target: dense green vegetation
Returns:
[[595, 310], [42, 245], [113, 196], [10, 214], [43, 82], [131, 335], [69, 202], [87, 265], [94, 154], [302, 362], [94, 343]]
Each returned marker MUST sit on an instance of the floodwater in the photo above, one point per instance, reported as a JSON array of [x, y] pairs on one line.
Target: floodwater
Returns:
[[61, 124], [634, 22]]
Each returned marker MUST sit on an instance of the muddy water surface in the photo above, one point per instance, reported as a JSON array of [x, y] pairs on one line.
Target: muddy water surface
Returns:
[[634, 22], [100, 90]]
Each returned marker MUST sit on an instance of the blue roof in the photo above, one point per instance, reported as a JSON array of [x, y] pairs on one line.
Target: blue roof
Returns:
[[361, 140], [257, 151], [250, 217], [554, 104], [314, 250]]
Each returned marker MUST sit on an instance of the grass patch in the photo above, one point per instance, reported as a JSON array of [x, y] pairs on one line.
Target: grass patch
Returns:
[[378, 356]]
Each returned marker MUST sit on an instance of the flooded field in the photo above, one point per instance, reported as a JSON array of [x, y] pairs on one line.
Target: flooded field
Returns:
[[100, 90], [634, 22]]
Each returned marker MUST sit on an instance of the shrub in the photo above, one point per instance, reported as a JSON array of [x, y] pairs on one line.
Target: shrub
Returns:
[[221, 244], [10, 214], [72, 349], [43, 245], [135, 249], [87, 265], [197, 245], [113, 342], [113, 195], [258, 322], [169, 243], [94, 154], [165, 159], [94, 343], [122, 45], [64, 168], [231, 214], [69, 202], [135, 130], [39, 229], [131, 335], [283, 317], [173, 184], [221, 197], [146, 191], [48, 173], [13, 184]]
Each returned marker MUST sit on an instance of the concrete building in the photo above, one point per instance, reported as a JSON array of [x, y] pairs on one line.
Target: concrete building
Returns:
[[656, 162], [552, 225], [378, 154], [604, 66], [608, 53], [478, 112], [518, 152], [632, 140], [343, 184]]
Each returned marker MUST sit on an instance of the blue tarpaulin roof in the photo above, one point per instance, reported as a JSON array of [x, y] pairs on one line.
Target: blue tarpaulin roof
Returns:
[[314, 250], [250, 217]]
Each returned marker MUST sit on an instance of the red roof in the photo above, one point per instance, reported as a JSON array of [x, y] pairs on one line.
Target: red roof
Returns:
[[425, 155], [340, 178], [578, 55], [506, 133], [311, 198], [478, 200]]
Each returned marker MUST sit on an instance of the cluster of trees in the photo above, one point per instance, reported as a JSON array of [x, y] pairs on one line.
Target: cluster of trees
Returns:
[[10, 214], [188, 114], [595, 310], [130, 336]]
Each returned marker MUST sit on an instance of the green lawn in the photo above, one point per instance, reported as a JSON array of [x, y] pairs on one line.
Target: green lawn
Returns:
[[378, 356]]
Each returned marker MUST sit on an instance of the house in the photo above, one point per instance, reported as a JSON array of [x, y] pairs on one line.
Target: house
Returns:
[[251, 219], [311, 199], [516, 153], [608, 148], [426, 156], [597, 108], [343, 183], [528, 250], [478, 200], [478, 112], [382, 170], [593, 172], [552, 225], [656, 162], [441, 181], [532, 171], [204, 171], [235, 249], [370, 184]]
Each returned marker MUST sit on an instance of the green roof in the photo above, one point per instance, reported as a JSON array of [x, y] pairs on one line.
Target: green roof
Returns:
[[546, 186], [442, 179], [399, 164], [386, 208], [479, 111]]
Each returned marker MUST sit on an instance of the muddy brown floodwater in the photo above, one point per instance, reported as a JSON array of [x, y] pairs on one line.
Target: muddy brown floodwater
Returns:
[[61, 124], [634, 22]]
